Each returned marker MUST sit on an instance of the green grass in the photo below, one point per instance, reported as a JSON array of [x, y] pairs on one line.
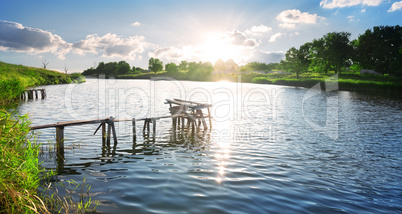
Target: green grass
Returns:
[[16, 78], [20, 175], [19, 166], [346, 81]]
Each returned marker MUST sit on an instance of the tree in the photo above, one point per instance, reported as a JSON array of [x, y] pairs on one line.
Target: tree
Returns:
[[298, 60], [255, 66], [45, 63], [380, 48], [332, 51], [171, 68], [200, 70], [123, 67], [219, 65], [338, 49], [292, 62], [155, 65], [183, 66]]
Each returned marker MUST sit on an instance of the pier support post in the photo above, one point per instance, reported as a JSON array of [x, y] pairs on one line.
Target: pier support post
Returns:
[[134, 131], [103, 134], [145, 125], [60, 140], [114, 131], [109, 129], [154, 126]]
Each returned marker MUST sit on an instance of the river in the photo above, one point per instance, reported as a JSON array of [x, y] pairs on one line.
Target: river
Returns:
[[272, 149]]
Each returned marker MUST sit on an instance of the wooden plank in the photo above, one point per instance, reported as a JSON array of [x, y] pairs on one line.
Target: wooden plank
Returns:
[[181, 103], [192, 102], [84, 122], [70, 123]]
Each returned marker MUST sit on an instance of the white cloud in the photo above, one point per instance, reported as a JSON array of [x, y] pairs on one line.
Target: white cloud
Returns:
[[16, 37], [290, 18], [275, 37], [112, 45], [287, 25], [136, 24], [363, 10], [330, 4], [258, 30], [169, 53], [395, 6], [352, 19], [238, 38]]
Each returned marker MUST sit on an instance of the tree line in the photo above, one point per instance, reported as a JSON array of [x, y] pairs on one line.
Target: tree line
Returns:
[[379, 49], [196, 69]]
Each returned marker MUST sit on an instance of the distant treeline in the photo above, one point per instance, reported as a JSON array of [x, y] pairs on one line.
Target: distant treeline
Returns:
[[378, 49]]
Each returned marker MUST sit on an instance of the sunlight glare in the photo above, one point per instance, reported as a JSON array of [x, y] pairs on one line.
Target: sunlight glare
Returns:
[[217, 47]]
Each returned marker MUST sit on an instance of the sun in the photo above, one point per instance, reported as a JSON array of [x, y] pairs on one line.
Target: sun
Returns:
[[216, 46]]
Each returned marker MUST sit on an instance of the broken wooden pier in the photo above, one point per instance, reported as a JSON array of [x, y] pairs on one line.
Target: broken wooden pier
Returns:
[[29, 94], [180, 111]]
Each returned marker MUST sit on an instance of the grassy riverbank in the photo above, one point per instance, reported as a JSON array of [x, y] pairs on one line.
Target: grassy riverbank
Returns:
[[21, 176], [348, 81], [19, 167], [20, 171], [14, 79]]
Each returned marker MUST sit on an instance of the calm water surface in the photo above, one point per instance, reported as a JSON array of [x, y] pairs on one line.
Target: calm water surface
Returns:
[[272, 149]]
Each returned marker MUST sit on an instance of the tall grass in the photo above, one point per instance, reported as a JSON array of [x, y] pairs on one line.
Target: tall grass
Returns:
[[20, 175], [19, 167]]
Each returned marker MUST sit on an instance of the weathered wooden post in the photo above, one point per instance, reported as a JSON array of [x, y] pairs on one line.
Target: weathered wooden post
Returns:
[[113, 130], [134, 131], [192, 126], [103, 133], [174, 123], [43, 94], [154, 126], [109, 128], [60, 140]]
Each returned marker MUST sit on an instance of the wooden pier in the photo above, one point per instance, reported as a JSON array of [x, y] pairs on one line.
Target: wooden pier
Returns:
[[29, 94], [180, 110]]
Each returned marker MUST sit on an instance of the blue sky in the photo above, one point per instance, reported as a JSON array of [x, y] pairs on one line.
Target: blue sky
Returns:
[[79, 34]]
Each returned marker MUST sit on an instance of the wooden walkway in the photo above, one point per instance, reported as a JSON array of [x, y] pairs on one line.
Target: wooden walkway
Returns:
[[180, 110]]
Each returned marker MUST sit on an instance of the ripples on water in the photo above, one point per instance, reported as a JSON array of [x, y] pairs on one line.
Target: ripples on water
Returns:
[[270, 149]]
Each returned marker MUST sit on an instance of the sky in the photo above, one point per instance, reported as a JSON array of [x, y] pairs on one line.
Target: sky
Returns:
[[75, 35]]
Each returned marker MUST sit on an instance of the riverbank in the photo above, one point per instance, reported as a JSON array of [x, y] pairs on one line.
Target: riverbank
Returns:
[[14, 79], [20, 171], [347, 81]]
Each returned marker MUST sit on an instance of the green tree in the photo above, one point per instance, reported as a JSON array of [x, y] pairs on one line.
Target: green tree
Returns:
[[171, 68], [183, 66], [338, 50], [292, 62], [380, 48], [155, 65], [298, 60], [200, 70], [123, 67]]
